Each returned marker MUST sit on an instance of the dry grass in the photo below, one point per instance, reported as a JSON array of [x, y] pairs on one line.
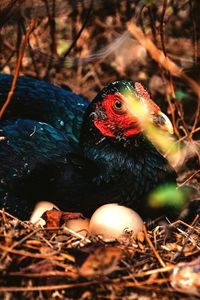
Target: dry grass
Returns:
[[44, 262]]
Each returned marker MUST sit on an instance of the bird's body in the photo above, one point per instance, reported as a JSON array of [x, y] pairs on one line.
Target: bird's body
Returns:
[[56, 146], [38, 100]]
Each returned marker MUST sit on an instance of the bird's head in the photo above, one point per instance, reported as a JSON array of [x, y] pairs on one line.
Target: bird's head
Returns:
[[122, 109]]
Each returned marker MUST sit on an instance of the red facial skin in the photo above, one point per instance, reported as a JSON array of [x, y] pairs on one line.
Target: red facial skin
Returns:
[[141, 91], [120, 119], [115, 119]]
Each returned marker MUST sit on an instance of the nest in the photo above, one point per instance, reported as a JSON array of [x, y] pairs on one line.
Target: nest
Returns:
[[57, 263]]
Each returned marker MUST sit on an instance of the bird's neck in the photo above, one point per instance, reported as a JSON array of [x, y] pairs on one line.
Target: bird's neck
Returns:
[[116, 158], [126, 170]]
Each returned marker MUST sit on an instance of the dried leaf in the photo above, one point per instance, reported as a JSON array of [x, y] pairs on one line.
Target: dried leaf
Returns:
[[102, 262], [186, 277], [56, 218], [52, 218], [39, 267]]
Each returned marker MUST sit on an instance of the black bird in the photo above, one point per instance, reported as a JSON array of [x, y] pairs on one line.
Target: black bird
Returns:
[[59, 147]]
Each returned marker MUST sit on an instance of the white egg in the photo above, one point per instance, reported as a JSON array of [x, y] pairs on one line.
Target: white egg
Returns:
[[111, 220], [78, 225], [40, 208]]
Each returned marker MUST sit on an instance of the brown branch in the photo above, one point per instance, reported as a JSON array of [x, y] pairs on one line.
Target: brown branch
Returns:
[[52, 24], [153, 29], [194, 32], [45, 287], [167, 63], [17, 70], [189, 178], [153, 248], [73, 44], [65, 274], [37, 255], [159, 57], [162, 38]]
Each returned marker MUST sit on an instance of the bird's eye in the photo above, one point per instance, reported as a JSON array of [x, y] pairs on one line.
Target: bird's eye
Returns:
[[118, 106]]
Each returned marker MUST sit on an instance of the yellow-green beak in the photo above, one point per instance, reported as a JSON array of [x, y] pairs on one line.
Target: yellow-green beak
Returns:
[[163, 122]]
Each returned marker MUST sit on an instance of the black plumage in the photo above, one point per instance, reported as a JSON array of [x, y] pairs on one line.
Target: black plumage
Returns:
[[51, 149]]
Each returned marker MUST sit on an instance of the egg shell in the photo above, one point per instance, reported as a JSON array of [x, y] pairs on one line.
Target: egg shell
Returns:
[[111, 220], [79, 225], [40, 208]]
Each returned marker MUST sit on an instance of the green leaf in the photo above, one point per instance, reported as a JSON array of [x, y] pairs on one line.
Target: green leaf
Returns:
[[167, 196], [180, 95], [62, 46]]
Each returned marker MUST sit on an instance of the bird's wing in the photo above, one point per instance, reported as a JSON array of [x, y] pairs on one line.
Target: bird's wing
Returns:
[[38, 100], [27, 144], [33, 155]]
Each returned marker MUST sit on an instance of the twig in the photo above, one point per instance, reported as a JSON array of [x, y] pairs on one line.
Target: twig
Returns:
[[167, 63], [25, 225], [19, 242], [169, 74], [158, 56], [76, 234], [45, 274], [153, 248], [37, 255], [194, 33], [7, 11], [52, 25], [80, 32], [153, 29], [62, 59], [45, 287], [19, 61], [189, 178], [196, 118]]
